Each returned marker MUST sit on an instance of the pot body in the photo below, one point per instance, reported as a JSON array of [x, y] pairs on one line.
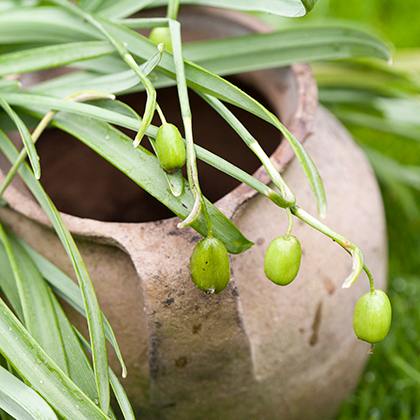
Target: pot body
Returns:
[[256, 350]]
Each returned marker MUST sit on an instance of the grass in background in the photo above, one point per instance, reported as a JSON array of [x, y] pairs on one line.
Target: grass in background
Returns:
[[390, 386]]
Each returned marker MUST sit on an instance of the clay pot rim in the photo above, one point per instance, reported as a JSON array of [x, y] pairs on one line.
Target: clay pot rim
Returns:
[[300, 126]]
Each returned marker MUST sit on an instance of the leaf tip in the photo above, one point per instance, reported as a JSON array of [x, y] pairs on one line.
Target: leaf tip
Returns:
[[323, 212], [309, 5]]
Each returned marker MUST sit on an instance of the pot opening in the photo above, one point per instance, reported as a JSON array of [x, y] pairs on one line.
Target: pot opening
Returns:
[[83, 184]]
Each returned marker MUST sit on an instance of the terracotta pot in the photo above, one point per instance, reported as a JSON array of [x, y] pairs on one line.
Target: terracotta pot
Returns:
[[256, 350]]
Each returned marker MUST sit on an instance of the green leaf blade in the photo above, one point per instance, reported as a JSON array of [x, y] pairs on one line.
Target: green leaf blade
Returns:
[[123, 8], [258, 51], [310, 170], [79, 369], [25, 136], [52, 56], [7, 85], [39, 314], [28, 25], [119, 391], [94, 317], [41, 373], [20, 401], [309, 4], [68, 290], [8, 282], [288, 8]]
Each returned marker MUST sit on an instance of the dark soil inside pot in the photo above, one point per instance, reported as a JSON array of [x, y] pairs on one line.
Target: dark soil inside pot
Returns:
[[83, 184]]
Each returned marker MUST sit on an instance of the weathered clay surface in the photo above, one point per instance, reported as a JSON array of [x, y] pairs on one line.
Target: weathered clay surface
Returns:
[[256, 350]]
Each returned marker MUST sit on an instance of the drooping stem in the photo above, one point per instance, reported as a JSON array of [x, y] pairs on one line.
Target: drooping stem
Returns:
[[350, 247], [370, 277], [161, 115], [253, 144], [142, 23], [272, 171], [206, 217], [172, 11], [128, 58], [290, 220], [150, 101], [192, 171], [23, 153], [240, 175]]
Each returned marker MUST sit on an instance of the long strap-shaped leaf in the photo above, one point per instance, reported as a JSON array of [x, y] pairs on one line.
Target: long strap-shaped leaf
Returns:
[[123, 8], [20, 401], [80, 369], [45, 103], [235, 54], [65, 287], [7, 85], [96, 330], [281, 48], [86, 80], [35, 297], [41, 372], [8, 283], [264, 55], [119, 391], [289, 8], [41, 25], [197, 77], [77, 367], [52, 56], [25, 135]]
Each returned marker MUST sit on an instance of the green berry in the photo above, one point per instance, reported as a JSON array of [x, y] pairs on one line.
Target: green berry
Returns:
[[209, 265], [282, 260], [372, 317], [161, 35], [170, 147]]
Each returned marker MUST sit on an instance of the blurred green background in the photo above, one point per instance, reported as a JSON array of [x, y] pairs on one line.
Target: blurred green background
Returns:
[[390, 386]]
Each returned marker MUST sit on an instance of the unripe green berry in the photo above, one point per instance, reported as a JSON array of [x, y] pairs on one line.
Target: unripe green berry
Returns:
[[209, 265], [170, 147], [162, 35], [372, 317], [282, 260]]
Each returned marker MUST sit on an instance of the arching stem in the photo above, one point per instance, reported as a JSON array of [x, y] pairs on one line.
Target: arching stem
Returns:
[[350, 247], [290, 220], [161, 115]]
